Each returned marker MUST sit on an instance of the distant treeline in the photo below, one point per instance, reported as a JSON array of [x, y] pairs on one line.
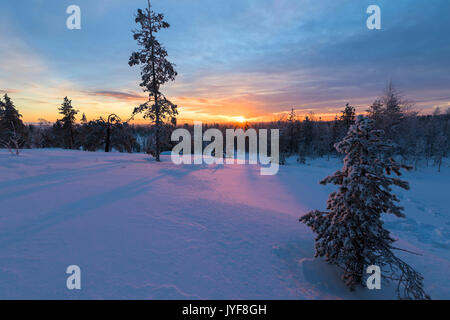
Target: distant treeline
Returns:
[[417, 137]]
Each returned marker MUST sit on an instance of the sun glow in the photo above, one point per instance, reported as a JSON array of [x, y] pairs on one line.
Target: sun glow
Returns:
[[239, 119]]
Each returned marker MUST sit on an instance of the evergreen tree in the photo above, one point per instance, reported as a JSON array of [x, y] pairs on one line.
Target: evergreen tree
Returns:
[[156, 70], [84, 119], [308, 131], [67, 123], [13, 133], [395, 106], [348, 116], [389, 111], [351, 234], [393, 110], [376, 110], [292, 128]]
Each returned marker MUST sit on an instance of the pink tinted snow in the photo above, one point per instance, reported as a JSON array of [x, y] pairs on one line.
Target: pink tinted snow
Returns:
[[145, 230]]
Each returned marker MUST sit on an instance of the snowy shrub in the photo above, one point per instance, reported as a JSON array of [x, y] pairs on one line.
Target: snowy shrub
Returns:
[[351, 234]]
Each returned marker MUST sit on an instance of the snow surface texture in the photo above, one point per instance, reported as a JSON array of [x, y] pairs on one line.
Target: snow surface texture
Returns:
[[145, 230]]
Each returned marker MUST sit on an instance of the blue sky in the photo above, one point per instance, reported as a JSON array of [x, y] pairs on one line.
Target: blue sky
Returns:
[[251, 58]]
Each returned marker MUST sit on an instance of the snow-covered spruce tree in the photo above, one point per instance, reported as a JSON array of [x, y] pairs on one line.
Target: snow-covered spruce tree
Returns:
[[156, 70], [351, 234], [13, 133]]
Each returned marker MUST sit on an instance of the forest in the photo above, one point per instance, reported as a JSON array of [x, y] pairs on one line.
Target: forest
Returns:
[[421, 140]]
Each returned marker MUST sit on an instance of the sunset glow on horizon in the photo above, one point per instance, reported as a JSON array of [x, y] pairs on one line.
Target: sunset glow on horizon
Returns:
[[237, 61]]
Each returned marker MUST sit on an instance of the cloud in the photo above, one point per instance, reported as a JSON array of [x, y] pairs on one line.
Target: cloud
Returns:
[[8, 91], [118, 95], [252, 58]]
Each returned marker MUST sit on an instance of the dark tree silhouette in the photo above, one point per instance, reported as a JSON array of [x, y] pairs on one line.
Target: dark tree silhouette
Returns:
[[156, 70], [348, 116], [112, 119], [68, 122], [13, 133]]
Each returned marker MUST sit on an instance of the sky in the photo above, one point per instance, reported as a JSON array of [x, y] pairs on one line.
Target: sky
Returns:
[[254, 59]]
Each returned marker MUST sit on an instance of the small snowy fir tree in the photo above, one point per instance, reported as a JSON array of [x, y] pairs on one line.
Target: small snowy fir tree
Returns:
[[351, 234]]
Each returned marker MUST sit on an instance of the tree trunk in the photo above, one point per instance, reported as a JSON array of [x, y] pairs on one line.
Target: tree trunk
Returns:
[[155, 93], [108, 137], [158, 145], [71, 143]]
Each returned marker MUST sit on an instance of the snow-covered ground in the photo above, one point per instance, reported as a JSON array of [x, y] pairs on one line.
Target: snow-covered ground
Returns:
[[145, 230]]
